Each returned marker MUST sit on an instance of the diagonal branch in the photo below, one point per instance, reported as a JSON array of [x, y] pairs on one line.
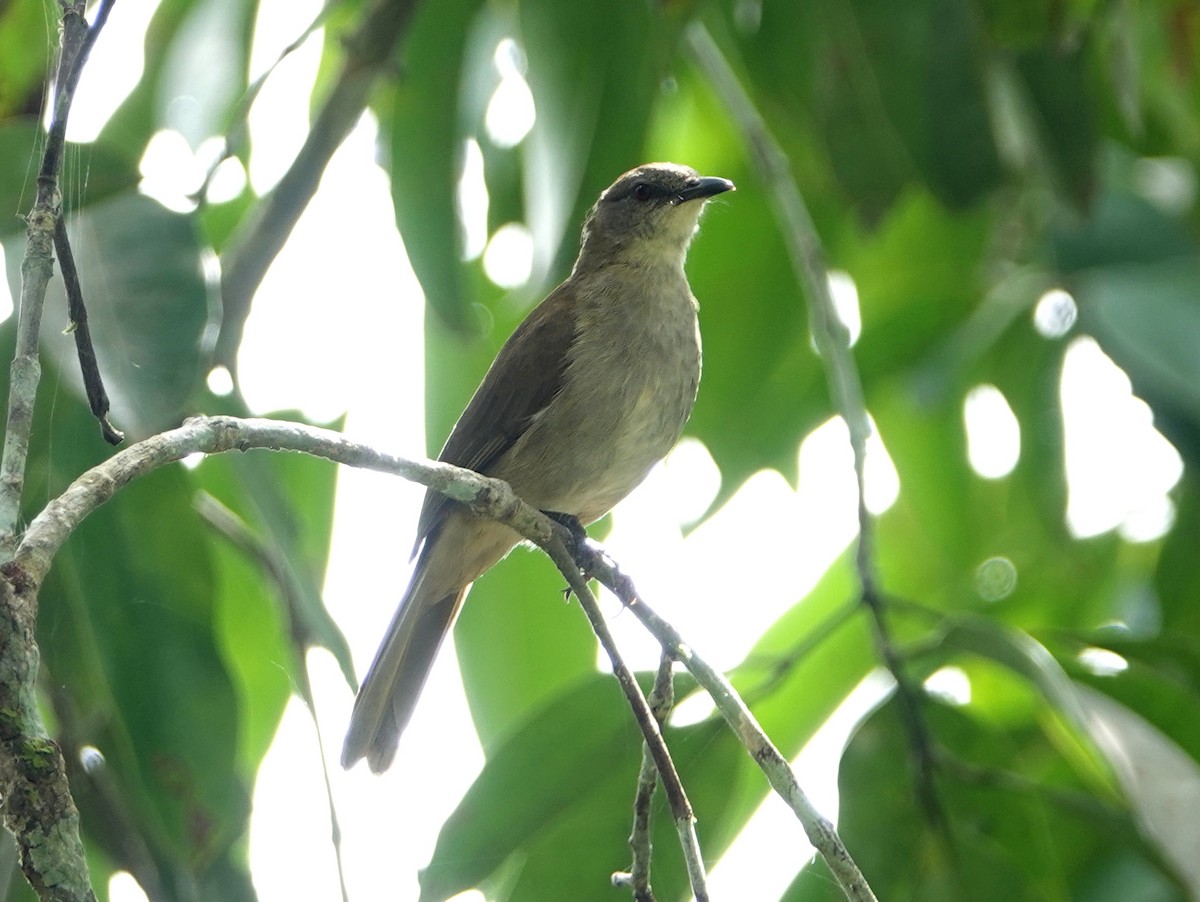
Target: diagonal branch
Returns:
[[86, 352], [661, 699], [565, 548], [819, 830], [841, 372], [491, 498]]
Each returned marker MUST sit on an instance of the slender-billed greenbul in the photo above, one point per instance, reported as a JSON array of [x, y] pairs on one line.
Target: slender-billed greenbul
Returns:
[[585, 397]]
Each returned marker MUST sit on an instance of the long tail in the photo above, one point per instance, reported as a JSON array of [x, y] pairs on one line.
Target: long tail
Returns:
[[392, 686]]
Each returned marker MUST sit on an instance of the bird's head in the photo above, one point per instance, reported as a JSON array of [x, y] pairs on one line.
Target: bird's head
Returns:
[[648, 215]]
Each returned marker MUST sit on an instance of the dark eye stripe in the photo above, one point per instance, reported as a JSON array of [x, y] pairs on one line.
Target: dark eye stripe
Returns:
[[644, 191]]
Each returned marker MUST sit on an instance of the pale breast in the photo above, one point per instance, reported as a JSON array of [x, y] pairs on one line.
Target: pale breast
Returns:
[[628, 392]]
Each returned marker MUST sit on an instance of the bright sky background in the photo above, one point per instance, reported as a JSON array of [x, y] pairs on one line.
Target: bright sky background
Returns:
[[389, 823]]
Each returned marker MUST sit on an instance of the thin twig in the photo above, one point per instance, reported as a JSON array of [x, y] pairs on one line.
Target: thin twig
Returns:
[[77, 316], [37, 268], [819, 830], [565, 550], [845, 384], [258, 241], [637, 878]]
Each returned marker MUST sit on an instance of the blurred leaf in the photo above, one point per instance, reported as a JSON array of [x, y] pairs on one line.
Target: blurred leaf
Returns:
[[148, 312], [918, 275], [523, 790], [91, 173], [126, 627], [1121, 230], [419, 119], [902, 94], [762, 388], [1056, 80], [1135, 273], [1023, 655], [1178, 570], [520, 643], [208, 63], [195, 48], [1148, 319], [25, 61], [287, 500], [593, 98], [1160, 787], [1030, 836], [1160, 682]]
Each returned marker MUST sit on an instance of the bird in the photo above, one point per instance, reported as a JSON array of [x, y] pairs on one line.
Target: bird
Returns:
[[589, 393]]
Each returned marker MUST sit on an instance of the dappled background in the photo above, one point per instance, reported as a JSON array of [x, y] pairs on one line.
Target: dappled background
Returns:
[[1006, 198]]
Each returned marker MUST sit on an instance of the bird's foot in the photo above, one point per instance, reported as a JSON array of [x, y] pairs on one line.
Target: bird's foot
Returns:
[[572, 525]]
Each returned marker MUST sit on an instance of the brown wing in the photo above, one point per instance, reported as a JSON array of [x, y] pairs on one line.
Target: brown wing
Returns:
[[524, 377]]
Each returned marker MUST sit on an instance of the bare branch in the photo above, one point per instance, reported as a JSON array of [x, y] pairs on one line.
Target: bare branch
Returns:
[[819, 830], [37, 805], [37, 268], [662, 699], [487, 497]]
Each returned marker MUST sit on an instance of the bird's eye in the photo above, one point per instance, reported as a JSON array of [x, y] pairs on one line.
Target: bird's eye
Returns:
[[642, 191]]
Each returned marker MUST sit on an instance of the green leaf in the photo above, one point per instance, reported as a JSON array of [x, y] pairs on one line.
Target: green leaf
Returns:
[[520, 643], [593, 98], [148, 310], [1161, 682], [1147, 318], [127, 634], [1135, 273], [420, 125], [287, 501], [1122, 229], [24, 58], [919, 276], [903, 93], [762, 389], [523, 791], [91, 173], [1178, 569], [1062, 98], [179, 58], [1028, 835], [1023, 655]]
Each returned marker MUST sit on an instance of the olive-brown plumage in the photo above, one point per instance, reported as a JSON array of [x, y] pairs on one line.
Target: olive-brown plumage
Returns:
[[590, 391]]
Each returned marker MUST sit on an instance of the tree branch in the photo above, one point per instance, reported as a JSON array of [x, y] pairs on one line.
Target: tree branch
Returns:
[[487, 497], [36, 798], [819, 830], [637, 878], [37, 804], [37, 268], [566, 547]]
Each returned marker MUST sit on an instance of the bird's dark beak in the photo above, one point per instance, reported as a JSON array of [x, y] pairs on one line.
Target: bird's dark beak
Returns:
[[705, 186]]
